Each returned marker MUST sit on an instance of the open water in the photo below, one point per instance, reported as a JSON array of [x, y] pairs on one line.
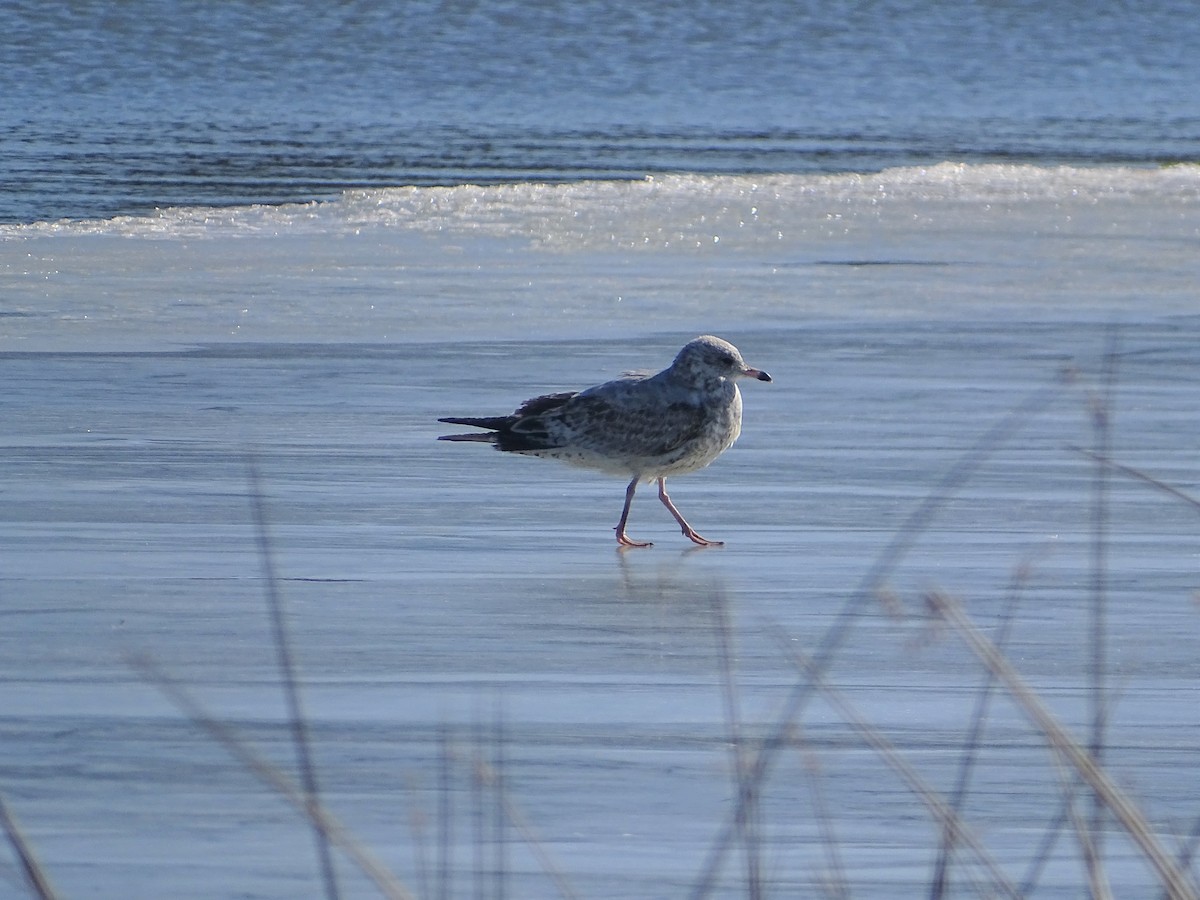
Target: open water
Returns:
[[953, 233], [116, 108]]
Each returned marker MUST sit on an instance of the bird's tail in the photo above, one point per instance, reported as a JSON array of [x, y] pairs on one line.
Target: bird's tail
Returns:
[[502, 436], [495, 423]]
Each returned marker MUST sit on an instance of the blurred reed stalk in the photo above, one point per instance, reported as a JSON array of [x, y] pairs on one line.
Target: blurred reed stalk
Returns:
[[297, 720], [492, 811], [902, 541], [35, 876], [1173, 880], [973, 741], [748, 828], [331, 829]]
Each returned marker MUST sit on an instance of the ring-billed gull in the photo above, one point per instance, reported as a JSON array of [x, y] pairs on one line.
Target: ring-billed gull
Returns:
[[643, 427]]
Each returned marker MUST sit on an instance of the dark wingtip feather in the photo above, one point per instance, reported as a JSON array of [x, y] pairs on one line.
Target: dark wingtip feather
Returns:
[[532, 434], [493, 422], [543, 404], [488, 437]]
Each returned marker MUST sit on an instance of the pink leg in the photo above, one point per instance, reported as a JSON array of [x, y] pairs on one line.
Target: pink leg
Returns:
[[688, 531], [622, 538]]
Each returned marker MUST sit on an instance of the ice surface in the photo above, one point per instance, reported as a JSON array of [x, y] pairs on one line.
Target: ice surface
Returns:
[[449, 604], [664, 256]]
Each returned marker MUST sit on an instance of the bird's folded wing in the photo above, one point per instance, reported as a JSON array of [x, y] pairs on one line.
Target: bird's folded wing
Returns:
[[627, 423], [538, 405]]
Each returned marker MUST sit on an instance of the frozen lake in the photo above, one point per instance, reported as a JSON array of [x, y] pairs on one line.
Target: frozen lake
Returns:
[[450, 606], [436, 594]]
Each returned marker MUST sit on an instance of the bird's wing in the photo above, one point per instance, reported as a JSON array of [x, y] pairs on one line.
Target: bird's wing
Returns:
[[545, 403], [621, 418], [502, 424]]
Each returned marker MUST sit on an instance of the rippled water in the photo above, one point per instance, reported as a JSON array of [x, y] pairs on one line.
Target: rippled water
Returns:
[[116, 109]]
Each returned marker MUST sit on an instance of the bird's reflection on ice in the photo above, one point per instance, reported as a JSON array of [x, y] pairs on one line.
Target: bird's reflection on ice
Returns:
[[669, 580]]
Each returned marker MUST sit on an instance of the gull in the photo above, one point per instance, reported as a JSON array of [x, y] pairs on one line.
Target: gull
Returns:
[[642, 427]]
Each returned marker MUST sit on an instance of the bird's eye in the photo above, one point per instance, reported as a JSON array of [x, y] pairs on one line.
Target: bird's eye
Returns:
[[728, 359]]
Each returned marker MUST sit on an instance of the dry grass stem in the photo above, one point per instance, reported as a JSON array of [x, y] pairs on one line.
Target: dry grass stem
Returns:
[[1139, 475], [740, 757], [1173, 879], [834, 882], [329, 826], [35, 876], [945, 816], [902, 541], [1098, 887], [487, 775], [297, 721]]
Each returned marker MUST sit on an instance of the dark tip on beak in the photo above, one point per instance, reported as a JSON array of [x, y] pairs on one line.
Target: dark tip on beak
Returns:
[[763, 376]]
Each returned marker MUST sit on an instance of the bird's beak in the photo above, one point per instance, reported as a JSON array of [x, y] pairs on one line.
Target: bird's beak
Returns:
[[756, 373]]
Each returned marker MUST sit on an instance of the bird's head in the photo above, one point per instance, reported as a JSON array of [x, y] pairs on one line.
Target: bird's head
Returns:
[[709, 358]]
